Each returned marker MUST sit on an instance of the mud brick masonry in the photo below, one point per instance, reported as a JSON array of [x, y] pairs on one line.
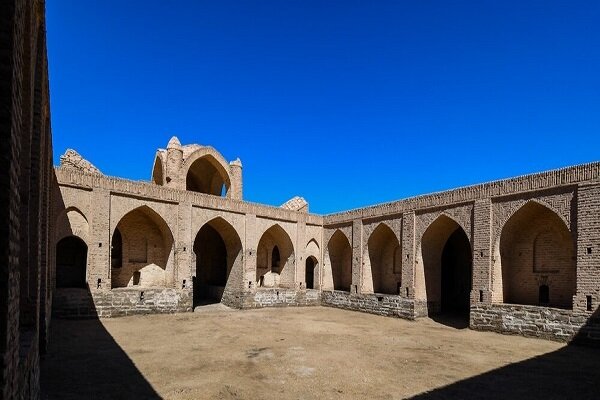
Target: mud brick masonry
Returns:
[[517, 256]]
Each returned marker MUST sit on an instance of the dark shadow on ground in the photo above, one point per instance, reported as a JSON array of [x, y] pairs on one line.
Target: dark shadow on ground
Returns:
[[84, 362], [453, 320], [573, 372]]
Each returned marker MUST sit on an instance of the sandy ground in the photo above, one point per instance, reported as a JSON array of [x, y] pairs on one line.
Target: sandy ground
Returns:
[[305, 353]]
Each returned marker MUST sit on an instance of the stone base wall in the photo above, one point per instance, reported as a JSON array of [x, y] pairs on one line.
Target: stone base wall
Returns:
[[280, 297], [82, 303], [538, 322], [381, 304]]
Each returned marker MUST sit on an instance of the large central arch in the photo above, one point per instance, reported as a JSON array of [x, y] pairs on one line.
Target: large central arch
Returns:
[[275, 259], [141, 250], [447, 266], [217, 251]]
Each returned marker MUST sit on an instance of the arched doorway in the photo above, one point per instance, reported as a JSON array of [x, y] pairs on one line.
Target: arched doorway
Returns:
[[340, 259], [447, 265], [275, 259], [310, 272], [71, 263], [217, 251], [536, 260], [456, 274]]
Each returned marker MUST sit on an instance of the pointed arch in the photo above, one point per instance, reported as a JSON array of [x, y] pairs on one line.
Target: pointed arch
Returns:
[[312, 274], [271, 272], [206, 171], [339, 253], [535, 249], [444, 268], [217, 252], [381, 274], [147, 249], [72, 222], [158, 170]]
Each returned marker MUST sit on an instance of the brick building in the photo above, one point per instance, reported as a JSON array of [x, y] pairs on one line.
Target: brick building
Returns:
[[517, 256]]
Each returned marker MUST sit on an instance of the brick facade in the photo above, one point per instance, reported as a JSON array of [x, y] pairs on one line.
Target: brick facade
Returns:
[[518, 256]]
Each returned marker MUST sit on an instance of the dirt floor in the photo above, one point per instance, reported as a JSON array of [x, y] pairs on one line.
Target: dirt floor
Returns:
[[305, 353]]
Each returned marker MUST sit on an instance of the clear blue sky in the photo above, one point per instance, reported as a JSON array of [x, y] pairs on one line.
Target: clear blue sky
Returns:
[[347, 103]]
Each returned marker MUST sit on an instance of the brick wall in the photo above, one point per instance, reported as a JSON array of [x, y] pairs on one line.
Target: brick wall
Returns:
[[26, 258]]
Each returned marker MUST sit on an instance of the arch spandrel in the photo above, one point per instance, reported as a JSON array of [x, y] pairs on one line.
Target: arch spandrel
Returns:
[[560, 204], [72, 222], [462, 216]]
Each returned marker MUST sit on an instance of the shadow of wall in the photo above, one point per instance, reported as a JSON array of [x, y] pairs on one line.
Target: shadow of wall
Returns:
[[573, 372], [84, 361]]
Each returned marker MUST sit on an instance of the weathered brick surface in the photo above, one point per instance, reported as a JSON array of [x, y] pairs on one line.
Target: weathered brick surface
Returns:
[[26, 258]]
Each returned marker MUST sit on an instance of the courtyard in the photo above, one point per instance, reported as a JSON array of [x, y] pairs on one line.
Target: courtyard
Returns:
[[305, 353]]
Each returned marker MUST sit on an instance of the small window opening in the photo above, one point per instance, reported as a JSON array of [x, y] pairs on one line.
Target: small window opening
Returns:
[[589, 302], [589, 250], [481, 296]]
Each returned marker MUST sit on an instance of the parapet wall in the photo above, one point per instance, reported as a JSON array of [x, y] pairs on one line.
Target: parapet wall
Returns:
[[567, 176]]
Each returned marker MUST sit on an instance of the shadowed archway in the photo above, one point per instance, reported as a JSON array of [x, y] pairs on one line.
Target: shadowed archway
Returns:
[[447, 265], [71, 263], [217, 251], [340, 260]]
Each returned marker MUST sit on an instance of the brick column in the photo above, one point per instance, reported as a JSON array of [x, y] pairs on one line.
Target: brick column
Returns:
[[251, 246], [482, 253], [100, 238], [588, 248], [184, 246], [357, 255], [408, 255]]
